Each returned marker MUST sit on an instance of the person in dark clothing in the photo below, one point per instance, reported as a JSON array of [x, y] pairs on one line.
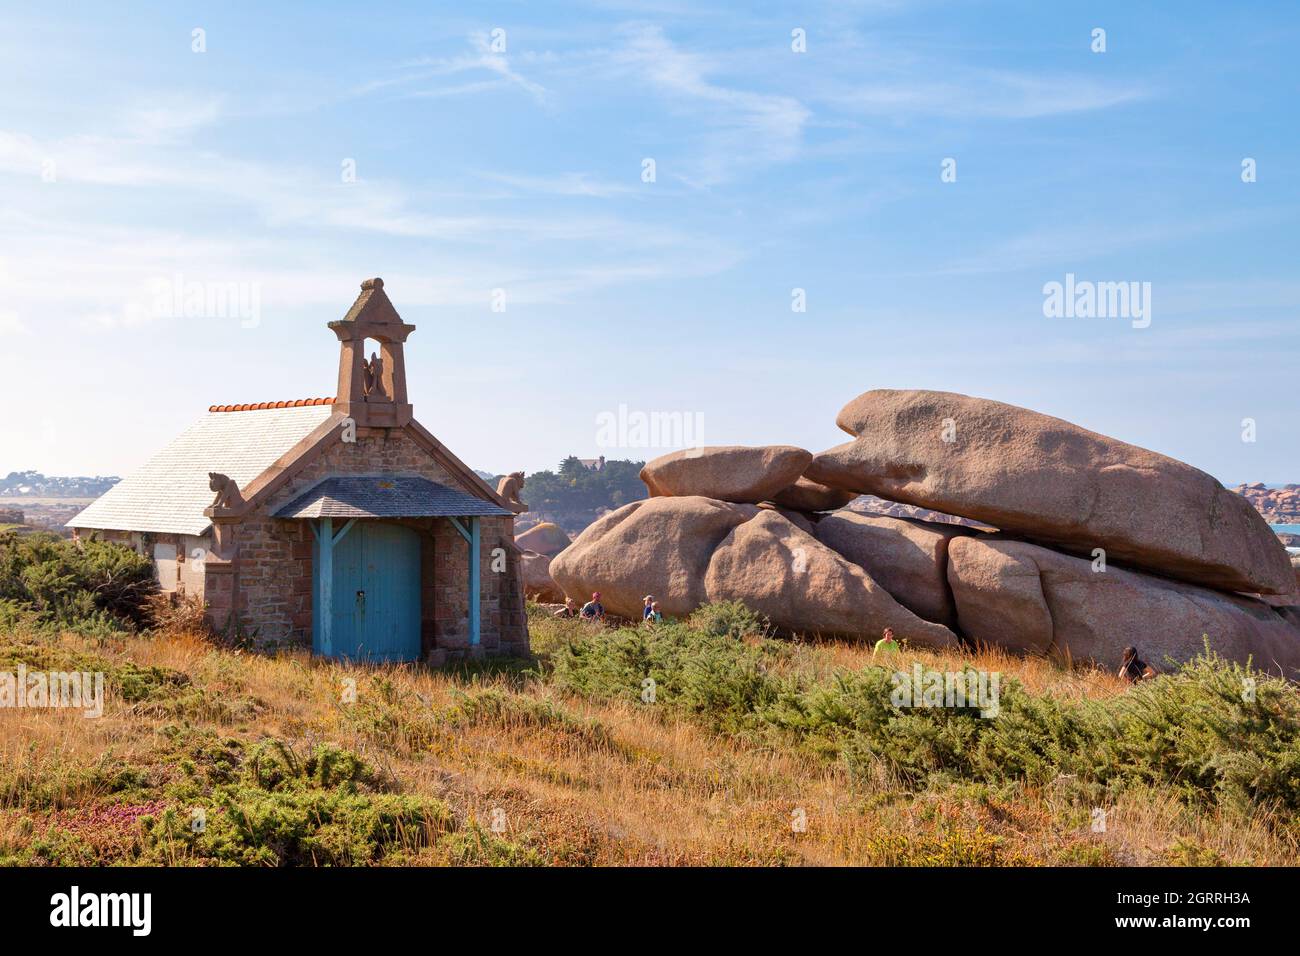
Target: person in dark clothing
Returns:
[[593, 610], [1133, 669], [570, 609]]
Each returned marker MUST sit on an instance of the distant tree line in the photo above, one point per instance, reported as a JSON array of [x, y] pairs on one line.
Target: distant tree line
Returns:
[[573, 495], [35, 484]]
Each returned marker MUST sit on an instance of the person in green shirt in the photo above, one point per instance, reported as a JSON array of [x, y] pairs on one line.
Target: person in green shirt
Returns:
[[886, 644]]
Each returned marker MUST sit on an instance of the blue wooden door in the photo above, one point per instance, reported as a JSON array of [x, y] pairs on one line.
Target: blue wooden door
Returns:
[[376, 594]]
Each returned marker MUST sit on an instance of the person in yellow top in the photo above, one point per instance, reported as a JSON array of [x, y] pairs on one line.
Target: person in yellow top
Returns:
[[886, 644]]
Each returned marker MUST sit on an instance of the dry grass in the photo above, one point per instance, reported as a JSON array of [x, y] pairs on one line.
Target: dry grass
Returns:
[[578, 782], [1038, 675]]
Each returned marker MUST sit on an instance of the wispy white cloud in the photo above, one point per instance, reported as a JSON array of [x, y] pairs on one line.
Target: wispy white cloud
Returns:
[[482, 58], [976, 93], [167, 119], [742, 126], [1085, 241], [562, 184], [284, 195]]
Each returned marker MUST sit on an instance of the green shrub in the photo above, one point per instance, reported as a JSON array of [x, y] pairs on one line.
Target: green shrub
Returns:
[[246, 826], [474, 846], [265, 805], [1195, 730], [729, 619], [93, 587], [721, 681]]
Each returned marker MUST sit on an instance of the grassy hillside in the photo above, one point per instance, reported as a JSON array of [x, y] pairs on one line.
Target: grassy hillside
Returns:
[[754, 751]]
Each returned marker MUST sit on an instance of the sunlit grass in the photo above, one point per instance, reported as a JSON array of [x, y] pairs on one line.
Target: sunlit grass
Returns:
[[508, 764]]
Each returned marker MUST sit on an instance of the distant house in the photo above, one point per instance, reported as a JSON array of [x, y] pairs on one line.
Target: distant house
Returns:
[[336, 521], [593, 464]]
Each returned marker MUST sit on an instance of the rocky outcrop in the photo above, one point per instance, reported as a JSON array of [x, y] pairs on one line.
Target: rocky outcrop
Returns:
[[544, 538], [1277, 505], [1020, 502], [690, 550], [908, 558], [736, 473], [1054, 482], [1027, 597], [659, 546], [803, 586]]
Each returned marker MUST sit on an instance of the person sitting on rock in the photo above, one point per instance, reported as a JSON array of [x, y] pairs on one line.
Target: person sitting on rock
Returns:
[[1133, 669], [593, 610], [569, 610], [652, 615], [886, 644], [647, 602]]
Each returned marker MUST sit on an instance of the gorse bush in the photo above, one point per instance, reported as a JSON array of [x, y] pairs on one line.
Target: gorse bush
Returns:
[[94, 588], [716, 678], [227, 801], [729, 619], [1215, 732], [265, 805]]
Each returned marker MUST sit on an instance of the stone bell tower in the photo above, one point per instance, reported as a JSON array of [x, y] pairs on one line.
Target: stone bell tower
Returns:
[[372, 390]]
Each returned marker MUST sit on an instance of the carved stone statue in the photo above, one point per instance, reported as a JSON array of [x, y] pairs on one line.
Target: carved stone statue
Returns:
[[228, 495], [373, 375], [509, 488]]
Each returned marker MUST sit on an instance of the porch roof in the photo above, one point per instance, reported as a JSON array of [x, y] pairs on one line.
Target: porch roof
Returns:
[[386, 496]]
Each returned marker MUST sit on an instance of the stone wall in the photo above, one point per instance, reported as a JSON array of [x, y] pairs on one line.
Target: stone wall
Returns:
[[178, 558], [502, 625]]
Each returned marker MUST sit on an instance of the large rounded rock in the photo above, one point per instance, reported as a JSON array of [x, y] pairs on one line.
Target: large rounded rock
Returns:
[[998, 597], [658, 546], [1054, 482], [691, 550], [538, 583], [800, 520], [908, 558], [1016, 594], [544, 538], [737, 473], [805, 495], [781, 571]]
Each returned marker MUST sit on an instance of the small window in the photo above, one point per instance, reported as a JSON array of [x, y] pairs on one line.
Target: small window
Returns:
[[164, 563]]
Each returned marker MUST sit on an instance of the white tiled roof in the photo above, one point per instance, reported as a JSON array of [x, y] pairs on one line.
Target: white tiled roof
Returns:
[[168, 494]]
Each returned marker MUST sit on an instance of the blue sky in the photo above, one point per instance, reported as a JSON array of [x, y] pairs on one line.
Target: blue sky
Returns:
[[128, 158]]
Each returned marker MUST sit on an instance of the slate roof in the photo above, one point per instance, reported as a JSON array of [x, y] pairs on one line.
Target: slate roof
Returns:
[[386, 496], [168, 494]]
